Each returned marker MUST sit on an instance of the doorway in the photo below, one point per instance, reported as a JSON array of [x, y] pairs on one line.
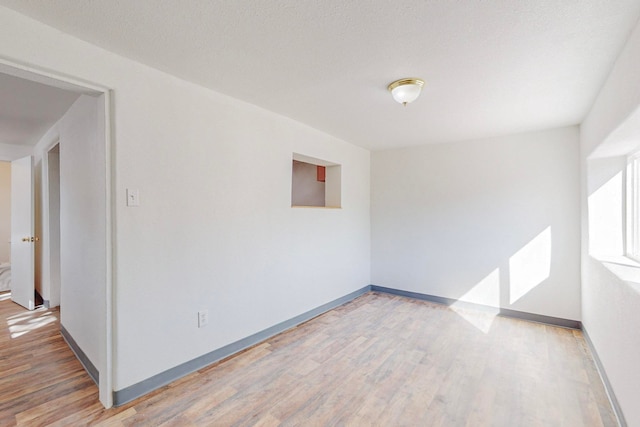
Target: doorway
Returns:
[[5, 227], [74, 199], [52, 168]]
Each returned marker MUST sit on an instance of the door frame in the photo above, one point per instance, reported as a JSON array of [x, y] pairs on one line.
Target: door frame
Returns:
[[81, 86], [46, 248]]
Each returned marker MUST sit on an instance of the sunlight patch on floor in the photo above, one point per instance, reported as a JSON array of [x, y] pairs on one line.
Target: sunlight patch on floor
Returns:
[[23, 323], [485, 292]]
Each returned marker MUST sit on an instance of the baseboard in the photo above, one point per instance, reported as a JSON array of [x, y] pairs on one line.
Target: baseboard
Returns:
[[82, 357], [46, 303], [126, 395], [605, 380], [539, 318]]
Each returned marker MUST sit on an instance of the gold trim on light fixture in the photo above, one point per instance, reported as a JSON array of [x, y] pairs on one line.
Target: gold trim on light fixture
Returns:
[[410, 94], [403, 82]]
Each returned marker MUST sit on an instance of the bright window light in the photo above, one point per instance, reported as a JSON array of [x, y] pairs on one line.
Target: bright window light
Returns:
[[633, 208], [605, 218]]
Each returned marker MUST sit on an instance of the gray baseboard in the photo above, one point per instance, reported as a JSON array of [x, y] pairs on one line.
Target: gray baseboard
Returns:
[[126, 395], [46, 303], [82, 357], [120, 397], [539, 318], [605, 380]]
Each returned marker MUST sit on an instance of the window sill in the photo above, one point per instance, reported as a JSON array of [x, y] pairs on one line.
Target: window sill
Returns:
[[317, 207], [625, 269]]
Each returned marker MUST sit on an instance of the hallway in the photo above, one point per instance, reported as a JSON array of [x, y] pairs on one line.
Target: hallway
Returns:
[[40, 378]]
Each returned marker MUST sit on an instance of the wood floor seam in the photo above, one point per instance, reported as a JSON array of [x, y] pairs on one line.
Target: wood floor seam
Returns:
[[378, 360]]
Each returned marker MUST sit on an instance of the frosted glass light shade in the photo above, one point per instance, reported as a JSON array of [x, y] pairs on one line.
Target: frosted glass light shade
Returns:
[[406, 91]]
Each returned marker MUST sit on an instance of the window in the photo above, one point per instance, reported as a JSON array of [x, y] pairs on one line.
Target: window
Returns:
[[633, 208], [315, 182]]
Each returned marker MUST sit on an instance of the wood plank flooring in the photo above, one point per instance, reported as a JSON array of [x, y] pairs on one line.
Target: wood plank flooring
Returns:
[[380, 360]]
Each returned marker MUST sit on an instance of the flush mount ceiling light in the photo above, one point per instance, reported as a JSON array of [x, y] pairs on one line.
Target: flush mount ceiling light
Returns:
[[405, 91]]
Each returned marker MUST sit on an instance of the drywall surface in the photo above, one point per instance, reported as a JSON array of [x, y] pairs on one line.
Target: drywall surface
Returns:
[[53, 219], [77, 200], [44, 265], [215, 229], [610, 290], [82, 224], [78, 206], [9, 152], [306, 190], [5, 211], [492, 222], [613, 328]]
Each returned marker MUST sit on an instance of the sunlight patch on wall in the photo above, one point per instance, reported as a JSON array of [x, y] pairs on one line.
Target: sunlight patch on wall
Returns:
[[530, 266], [485, 292], [605, 218]]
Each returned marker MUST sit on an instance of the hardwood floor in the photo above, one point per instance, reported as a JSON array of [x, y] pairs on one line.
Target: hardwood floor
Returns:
[[380, 360]]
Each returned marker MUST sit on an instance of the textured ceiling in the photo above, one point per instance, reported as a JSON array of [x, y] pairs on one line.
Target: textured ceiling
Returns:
[[29, 109], [491, 67]]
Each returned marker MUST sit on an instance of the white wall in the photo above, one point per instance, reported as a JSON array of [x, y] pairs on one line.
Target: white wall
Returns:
[[215, 229], [82, 224], [5, 211], [611, 295], [9, 152], [42, 254], [80, 211], [52, 245], [491, 221], [306, 189]]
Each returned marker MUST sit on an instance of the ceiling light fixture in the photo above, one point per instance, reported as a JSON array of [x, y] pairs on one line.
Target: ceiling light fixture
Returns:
[[405, 91]]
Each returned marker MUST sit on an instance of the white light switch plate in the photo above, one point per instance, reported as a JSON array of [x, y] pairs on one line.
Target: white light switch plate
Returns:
[[203, 318], [133, 197]]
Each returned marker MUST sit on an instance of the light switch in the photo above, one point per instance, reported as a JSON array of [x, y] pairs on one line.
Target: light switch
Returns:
[[203, 318], [133, 197]]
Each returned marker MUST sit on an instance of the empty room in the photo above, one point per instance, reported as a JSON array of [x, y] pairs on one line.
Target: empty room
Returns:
[[320, 213]]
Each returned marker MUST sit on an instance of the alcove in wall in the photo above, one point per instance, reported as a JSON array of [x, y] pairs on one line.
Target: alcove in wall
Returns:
[[315, 182]]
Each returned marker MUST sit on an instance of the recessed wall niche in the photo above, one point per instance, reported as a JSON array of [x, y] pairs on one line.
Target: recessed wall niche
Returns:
[[315, 182]]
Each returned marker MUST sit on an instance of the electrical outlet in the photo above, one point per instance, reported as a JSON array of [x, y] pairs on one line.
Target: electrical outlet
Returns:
[[203, 318]]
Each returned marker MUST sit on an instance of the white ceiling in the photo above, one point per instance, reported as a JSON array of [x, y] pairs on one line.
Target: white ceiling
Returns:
[[29, 109], [491, 67]]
